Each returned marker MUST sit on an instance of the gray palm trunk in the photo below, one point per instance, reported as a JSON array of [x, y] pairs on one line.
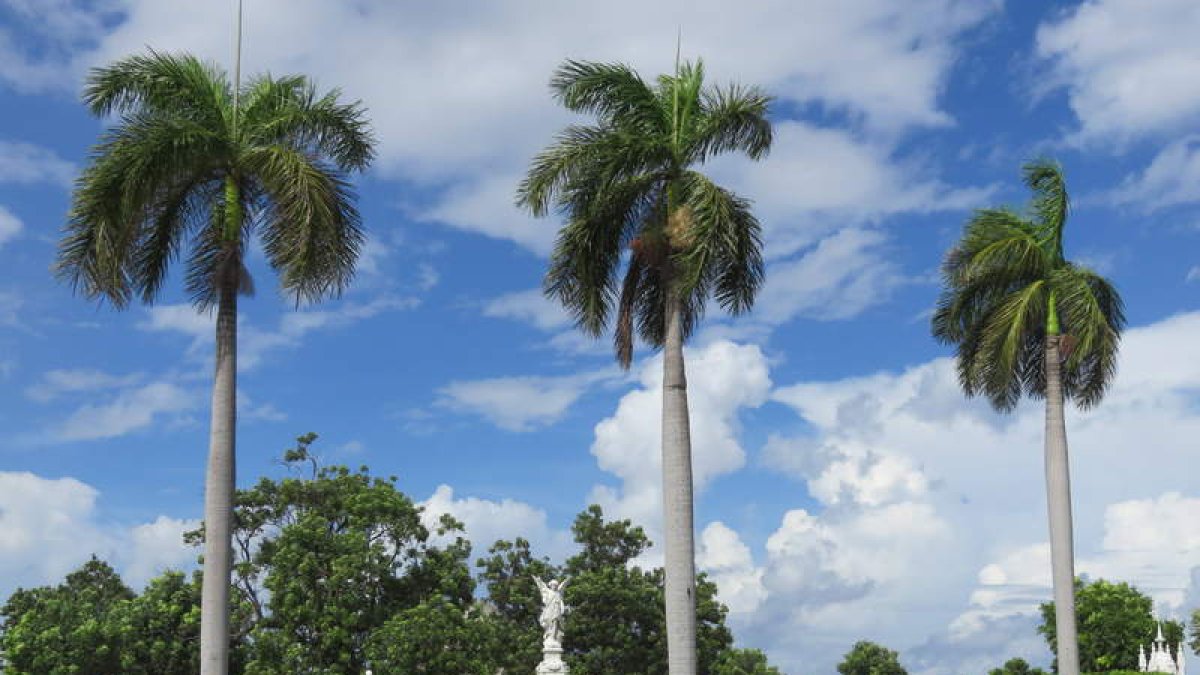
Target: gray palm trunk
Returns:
[[218, 493], [1058, 498], [680, 565]]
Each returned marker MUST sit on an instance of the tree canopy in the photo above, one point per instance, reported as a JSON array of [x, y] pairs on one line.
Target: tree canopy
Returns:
[[336, 571], [868, 658]]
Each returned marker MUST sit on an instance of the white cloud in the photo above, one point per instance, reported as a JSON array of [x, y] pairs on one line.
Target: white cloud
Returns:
[[531, 306], [723, 378], [1127, 65], [254, 343], [10, 226], [128, 411], [729, 563], [55, 383], [156, 547], [931, 509], [519, 403], [49, 526], [487, 521], [25, 163], [1172, 178], [884, 65], [838, 278]]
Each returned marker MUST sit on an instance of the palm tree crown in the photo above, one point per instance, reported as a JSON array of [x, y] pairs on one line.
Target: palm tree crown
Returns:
[[183, 164], [625, 181], [1007, 286]]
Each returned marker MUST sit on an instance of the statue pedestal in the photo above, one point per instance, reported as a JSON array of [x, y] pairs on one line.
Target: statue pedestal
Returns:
[[552, 663]]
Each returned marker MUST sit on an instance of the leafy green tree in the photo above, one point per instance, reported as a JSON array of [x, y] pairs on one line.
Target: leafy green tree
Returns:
[[1114, 618], [616, 624], [868, 658], [159, 630], [64, 630], [629, 181], [1194, 632], [507, 573], [438, 636], [328, 558], [187, 166], [1017, 666], [1026, 321], [743, 662]]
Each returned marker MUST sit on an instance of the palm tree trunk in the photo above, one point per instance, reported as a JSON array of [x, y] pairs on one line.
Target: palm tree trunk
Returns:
[[680, 566], [1058, 498], [218, 493]]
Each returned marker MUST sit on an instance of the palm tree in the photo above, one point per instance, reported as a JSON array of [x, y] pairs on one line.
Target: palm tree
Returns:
[[1026, 321], [187, 166], [627, 182]]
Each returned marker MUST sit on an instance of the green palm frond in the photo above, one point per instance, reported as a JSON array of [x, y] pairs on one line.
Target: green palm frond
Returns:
[[734, 119], [288, 111], [1093, 314], [158, 183], [311, 231], [625, 181], [612, 91], [999, 285], [179, 84], [724, 247]]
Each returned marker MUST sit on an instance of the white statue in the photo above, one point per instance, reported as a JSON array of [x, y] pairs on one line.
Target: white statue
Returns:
[[553, 609]]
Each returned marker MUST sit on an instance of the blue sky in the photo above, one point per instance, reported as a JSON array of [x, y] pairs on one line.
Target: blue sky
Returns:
[[847, 490]]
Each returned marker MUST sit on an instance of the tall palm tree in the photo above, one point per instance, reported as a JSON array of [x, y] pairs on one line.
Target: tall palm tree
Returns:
[[627, 182], [187, 166], [1026, 321]]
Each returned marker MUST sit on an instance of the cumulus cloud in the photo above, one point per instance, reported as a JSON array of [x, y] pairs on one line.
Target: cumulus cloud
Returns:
[[531, 306], [1127, 66], [929, 529], [723, 378], [487, 521], [49, 526]]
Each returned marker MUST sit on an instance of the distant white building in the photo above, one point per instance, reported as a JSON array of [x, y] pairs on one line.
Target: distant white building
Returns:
[[1160, 659]]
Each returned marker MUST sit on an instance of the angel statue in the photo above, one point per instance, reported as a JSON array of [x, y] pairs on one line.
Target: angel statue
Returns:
[[553, 609]]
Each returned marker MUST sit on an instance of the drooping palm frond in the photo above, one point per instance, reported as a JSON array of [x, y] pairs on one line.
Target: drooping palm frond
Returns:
[[1093, 314], [612, 91], [311, 231], [288, 111], [626, 180], [1002, 283], [732, 119], [156, 82], [172, 170]]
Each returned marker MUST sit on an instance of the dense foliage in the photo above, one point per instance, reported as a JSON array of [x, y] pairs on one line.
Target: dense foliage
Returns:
[[868, 658], [1113, 619], [1016, 667], [336, 571]]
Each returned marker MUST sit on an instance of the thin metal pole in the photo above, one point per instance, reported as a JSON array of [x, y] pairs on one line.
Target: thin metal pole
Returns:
[[237, 59]]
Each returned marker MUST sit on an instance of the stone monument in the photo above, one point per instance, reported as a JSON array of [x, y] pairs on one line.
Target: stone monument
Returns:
[[553, 610], [1160, 659]]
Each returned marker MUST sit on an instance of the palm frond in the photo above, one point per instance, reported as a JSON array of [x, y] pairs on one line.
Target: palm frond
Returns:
[[179, 84], [734, 118], [724, 244], [1050, 201], [1003, 339], [311, 230], [612, 91], [1091, 311], [631, 290], [583, 266], [288, 111]]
